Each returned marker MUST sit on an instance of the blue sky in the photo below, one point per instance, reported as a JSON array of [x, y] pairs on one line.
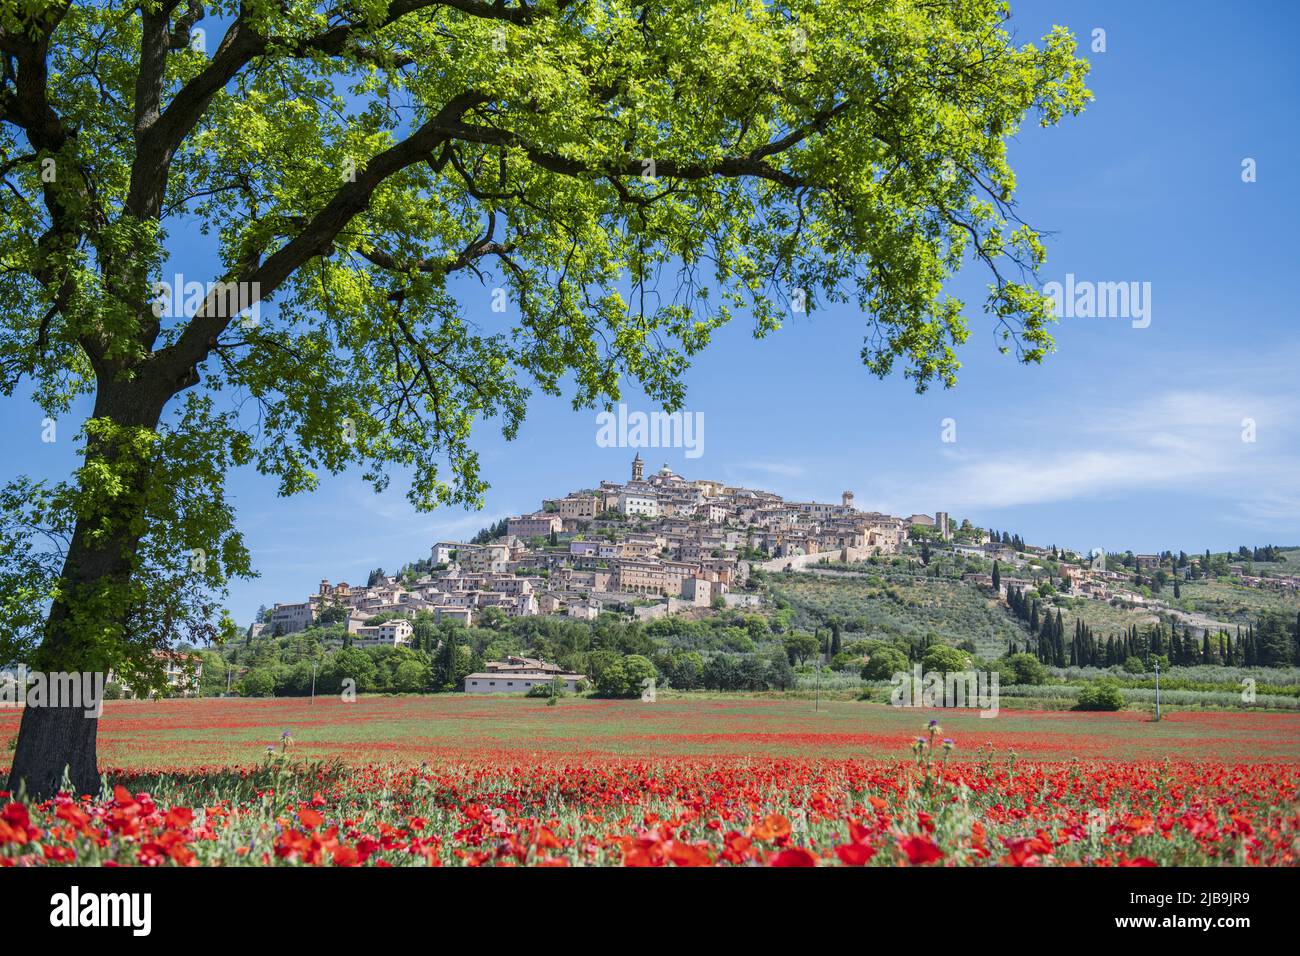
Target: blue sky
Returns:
[[1124, 438]]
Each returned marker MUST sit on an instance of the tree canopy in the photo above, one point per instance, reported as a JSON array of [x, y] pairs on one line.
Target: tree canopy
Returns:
[[414, 214]]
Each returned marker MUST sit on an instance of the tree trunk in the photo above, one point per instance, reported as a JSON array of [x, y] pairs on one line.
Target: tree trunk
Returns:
[[52, 740], [86, 624]]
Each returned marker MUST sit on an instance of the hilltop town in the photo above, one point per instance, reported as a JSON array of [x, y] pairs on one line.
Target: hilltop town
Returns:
[[664, 544], [660, 543]]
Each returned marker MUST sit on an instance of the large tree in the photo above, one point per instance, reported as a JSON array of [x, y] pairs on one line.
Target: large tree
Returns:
[[435, 207]]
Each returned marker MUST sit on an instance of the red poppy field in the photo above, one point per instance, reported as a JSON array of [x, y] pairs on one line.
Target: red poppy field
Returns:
[[459, 781]]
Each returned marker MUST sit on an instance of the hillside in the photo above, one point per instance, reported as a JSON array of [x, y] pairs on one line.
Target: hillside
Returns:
[[890, 603], [903, 599]]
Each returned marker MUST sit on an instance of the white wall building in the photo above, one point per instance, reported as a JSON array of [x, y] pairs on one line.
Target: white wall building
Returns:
[[395, 633], [517, 675], [636, 503]]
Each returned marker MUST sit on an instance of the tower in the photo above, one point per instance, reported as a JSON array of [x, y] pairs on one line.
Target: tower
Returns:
[[846, 499], [638, 468]]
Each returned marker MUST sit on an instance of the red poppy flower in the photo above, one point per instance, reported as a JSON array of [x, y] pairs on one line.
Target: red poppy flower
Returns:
[[855, 854], [773, 827], [345, 856], [179, 817], [793, 856], [15, 814], [310, 818], [920, 850], [688, 854]]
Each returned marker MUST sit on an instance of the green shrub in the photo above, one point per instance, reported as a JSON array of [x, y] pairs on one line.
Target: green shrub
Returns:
[[1028, 668], [844, 661], [259, 682], [412, 677], [626, 677], [942, 658], [1134, 665], [552, 688], [1101, 695], [885, 662]]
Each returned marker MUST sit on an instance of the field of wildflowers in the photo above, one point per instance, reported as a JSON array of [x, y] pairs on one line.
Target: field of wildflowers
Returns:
[[943, 798]]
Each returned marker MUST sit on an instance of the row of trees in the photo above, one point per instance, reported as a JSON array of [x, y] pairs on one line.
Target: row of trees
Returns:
[[728, 651], [1272, 641], [1013, 541]]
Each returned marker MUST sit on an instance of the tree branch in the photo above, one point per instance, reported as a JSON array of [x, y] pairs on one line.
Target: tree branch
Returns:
[[179, 361]]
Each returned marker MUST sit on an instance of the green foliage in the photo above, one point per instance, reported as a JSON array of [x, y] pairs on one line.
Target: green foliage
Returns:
[[885, 662], [412, 676], [845, 661], [942, 658], [626, 678], [898, 605], [350, 664], [1278, 639], [780, 675], [554, 688], [212, 682], [1027, 669], [1134, 665], [683, 670], [1101, 695], [259, 682], [799, 647], [332, 614]]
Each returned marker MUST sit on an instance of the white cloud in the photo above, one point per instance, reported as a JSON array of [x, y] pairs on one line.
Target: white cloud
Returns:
[[1177, 439]]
